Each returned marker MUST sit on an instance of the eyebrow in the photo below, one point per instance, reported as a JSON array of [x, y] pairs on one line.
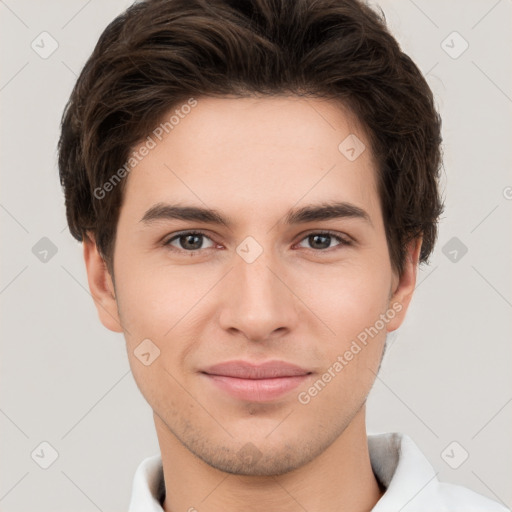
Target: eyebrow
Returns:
[[309, 213]]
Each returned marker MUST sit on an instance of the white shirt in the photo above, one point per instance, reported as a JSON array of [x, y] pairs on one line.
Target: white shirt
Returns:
[[409, 479]]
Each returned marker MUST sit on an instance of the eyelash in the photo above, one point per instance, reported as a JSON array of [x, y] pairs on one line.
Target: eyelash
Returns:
[[343, 242]]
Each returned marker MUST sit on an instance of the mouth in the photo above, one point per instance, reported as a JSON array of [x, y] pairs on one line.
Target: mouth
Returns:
[[256, 382]]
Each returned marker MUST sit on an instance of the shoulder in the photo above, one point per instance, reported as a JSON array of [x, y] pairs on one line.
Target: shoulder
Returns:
[[458, 498], [411, 483], [148, 488]]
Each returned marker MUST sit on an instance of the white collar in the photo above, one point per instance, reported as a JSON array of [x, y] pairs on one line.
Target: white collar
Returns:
[[410, 481]]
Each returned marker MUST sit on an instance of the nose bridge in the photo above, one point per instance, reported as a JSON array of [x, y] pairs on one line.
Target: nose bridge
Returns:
[[258, 301]]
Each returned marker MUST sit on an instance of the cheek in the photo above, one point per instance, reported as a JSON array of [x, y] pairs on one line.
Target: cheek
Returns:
[[152, 304], [351, 299], [166, 304], [353, 309], [154, 300], [157, 298], [153, 309]]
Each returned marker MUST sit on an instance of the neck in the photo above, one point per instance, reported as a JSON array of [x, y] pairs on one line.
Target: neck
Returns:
[[340, 479]]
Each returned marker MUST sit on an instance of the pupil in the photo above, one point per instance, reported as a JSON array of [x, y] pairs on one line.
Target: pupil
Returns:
[[188, 237], [315, 238], [325, 237]]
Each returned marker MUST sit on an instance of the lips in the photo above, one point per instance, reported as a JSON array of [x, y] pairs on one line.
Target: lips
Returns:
[[256, 382], [246, 370]]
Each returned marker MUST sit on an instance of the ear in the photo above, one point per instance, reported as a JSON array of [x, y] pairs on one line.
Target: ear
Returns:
[[101, 285], [403, 286]]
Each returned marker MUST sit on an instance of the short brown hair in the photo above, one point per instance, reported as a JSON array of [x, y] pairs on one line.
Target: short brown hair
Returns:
[[158, 53]]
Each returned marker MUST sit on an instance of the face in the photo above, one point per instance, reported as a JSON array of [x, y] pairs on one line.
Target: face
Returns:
[[270, 325]]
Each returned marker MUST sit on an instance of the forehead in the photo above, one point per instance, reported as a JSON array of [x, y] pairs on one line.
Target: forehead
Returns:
[[254, 154]]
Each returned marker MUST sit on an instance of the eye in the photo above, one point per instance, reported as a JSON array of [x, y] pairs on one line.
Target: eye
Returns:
[[321, 240], [189, 241], [192, 241]]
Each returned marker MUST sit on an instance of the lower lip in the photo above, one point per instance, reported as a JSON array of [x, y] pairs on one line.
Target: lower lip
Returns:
[[257, 390]]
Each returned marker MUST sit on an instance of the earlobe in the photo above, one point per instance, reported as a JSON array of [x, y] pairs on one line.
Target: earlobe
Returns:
[[101, 286], [405, 285]]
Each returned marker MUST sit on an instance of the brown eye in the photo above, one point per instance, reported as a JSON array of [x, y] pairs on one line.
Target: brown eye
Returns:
[[322, 240], [188, 241]]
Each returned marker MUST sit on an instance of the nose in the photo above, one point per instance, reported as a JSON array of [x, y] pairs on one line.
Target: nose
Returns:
[[259, 301]]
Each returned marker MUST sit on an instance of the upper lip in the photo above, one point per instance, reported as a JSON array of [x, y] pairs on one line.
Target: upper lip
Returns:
[[248, 370]]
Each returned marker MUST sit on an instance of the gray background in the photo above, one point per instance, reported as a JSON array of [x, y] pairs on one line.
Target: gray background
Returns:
[[65, 379]]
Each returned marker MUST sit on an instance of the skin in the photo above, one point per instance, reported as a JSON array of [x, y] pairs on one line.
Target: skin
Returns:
[[253, 159]]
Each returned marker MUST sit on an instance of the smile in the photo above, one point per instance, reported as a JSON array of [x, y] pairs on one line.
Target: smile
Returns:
[[256, 383]]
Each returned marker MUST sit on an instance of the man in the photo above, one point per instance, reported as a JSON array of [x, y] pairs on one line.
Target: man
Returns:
[[255, 184]]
